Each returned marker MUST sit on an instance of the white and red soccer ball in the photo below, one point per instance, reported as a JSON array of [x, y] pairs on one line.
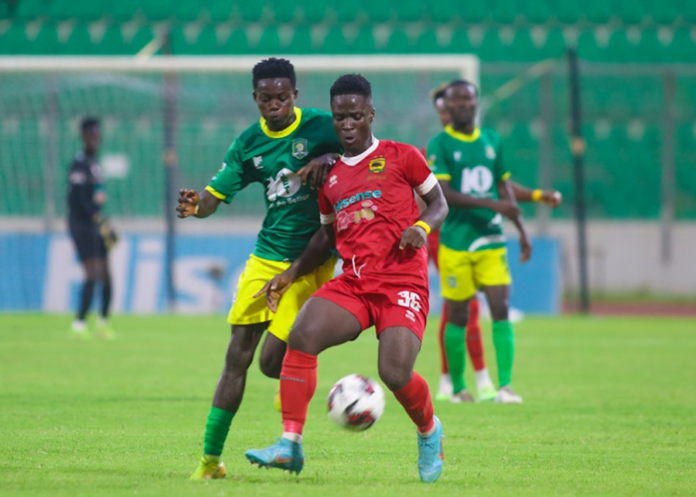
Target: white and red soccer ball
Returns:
[[356, 402]]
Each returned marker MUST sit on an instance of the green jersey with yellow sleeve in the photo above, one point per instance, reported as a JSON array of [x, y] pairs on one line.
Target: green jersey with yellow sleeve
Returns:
[[473, 164], [272, 158]]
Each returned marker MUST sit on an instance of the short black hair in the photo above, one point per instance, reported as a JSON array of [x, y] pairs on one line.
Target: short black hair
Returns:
[[273, 68], [438, 92], [351, 84], [88, 122], [463, 82]]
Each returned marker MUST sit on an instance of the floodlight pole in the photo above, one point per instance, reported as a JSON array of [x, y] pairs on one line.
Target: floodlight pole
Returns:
[[578, 150]]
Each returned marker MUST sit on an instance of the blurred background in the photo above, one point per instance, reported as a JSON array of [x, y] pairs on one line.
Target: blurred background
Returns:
[[169, 126]]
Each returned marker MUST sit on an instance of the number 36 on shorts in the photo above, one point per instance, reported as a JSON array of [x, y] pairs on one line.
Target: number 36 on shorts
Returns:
[[410, 300]]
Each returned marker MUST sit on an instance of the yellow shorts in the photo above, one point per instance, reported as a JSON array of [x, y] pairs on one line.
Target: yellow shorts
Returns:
[[462, 273], [249, 310]]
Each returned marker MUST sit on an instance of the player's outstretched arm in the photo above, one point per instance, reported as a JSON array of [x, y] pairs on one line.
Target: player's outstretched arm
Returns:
[[552, 198], [192, 203], [431, 218], [317, 252], [507, 194], [317, 170]]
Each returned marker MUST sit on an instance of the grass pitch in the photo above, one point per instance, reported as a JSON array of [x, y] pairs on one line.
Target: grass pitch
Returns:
[[610, 408]]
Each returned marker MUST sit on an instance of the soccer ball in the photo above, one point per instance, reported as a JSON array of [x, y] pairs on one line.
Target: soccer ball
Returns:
[[356, 402]]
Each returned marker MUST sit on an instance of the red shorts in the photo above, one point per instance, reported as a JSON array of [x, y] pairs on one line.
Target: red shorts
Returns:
[[379, 301]]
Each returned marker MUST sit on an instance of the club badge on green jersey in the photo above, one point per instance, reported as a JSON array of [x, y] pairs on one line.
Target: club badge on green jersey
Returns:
[[300, 148]]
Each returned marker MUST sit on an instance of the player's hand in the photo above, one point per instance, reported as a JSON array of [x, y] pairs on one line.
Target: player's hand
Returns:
[[415, 236], [275, 289], [507, 209], [317, 171], [525, 249], [552, 198], [188, 203]]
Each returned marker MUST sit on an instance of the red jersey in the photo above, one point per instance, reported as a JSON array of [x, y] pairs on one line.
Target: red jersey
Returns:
[[369, 199]]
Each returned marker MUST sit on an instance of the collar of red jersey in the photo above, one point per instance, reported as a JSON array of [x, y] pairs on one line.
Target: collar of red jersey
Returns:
[[353, 161]]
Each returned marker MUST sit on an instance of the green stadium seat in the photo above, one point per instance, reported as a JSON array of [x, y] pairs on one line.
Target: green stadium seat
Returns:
[[80, 43], [269, 43], [188, 10], [555, 45], [14, 41], [442, 11], [683, 47], [236, 44], [46, 42], [284, 11], [301, 42], [685, 178], [314, 10], [427, 43], [688, 10], [378, 10], [344, 12], [410, 10], [157, 10], [664, 12], [125, 9], [112, 41], [649, 48], [492, 48], [206, 43], [143, 35], [588, 49], [569, 11], [69, 9], [538, 11], [505, 11], [474, 11], [597, 12], [619, 49], [335, 42], [630, 11], [250, 11], [460, 42], [32, 9], [398, 42], [523, 48], [364, 42], [220, 11]]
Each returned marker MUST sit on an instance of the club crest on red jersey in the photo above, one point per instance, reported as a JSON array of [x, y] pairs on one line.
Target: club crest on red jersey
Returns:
[[377, 165]]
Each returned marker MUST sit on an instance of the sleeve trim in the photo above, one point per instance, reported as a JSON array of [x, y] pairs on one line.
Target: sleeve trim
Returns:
[[327, 218], [427, 185], [215, 193], [506, 176], [447, 177]]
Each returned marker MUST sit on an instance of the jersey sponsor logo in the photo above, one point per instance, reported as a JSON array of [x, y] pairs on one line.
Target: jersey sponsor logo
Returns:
[[346, 202], [257, 162], [377, 165], [490, 152], [333, 180], [344, 218], [300, 150], [477, 180], [285, 184]]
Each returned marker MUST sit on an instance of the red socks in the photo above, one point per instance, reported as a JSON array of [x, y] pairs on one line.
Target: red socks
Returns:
[[441, 339], [474, 344], [298, 381], [415, 397]]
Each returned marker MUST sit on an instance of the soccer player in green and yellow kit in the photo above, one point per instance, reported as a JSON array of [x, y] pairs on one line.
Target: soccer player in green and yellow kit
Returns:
[[469, 164], [272, 152]]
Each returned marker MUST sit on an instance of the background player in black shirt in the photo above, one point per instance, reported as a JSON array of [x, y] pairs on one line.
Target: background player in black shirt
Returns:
[[90, 232]]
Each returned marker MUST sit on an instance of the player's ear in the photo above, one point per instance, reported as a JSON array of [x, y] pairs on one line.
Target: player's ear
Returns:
[[295, 93], [253, 95], [372, 114]]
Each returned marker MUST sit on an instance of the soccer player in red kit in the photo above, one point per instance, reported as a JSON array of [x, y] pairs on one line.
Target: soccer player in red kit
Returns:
[[368, 212]]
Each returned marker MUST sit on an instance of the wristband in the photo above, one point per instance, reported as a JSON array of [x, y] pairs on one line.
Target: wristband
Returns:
[[423, 225], [536, 195]]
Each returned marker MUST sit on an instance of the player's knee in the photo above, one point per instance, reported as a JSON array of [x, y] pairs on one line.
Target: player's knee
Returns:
[[301, 339], [458, 313], [395, 377], [238, 359], [271, 363]]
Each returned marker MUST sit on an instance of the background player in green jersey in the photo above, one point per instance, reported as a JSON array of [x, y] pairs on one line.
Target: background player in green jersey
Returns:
[[468, 162], [474, 343], [272, 152]]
